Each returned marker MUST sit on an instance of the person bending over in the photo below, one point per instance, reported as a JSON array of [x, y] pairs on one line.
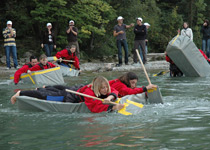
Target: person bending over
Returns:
[[68, 54], [25, 68], [126, 85], [98, 88]]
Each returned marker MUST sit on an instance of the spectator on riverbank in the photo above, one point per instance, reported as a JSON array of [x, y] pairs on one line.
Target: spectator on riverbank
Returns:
[[146, 41], [205, 30], [43, 64], [9, 35], [68, 55], [72, 33], [140, 32], [120, 34], [48, 40], [25, 68], [186, 31], [127, 85]]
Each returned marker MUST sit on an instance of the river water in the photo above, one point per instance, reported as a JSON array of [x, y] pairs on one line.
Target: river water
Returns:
[[182, 122]]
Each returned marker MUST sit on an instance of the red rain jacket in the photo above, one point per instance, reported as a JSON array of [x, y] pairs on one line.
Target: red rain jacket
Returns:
[[18, 73], [95, 106], [66, 54], [39, 66], [123, 89]]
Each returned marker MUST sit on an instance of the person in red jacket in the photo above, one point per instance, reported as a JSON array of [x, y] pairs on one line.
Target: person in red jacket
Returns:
[[68, 54], [44, 64], [98, 88], [24, 69], [174, 70], [126, 85]]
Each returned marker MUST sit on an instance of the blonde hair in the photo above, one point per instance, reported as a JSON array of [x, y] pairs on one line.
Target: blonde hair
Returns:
[[97, 85], [43, 56]]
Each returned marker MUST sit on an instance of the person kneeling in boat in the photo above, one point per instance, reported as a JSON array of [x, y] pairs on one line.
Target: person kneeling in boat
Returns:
[[98, 88], [174, 70], [44, 64], [67, 55], [126, 85], [24, 69]]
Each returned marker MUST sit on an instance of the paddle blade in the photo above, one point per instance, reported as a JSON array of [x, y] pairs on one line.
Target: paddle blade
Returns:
[[53, 58], [130, 107], [154, 96], [160, 73]]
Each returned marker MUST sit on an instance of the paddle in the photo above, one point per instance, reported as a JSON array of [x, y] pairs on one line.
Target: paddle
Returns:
[[154, 96], [130, 107], [161, 73], [31, 78], [54, 58]]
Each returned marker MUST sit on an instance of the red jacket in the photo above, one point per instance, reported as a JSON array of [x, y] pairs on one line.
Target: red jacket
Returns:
[[18, 73], [168, 59], [39, 66], [204, 55], [95, 106], [123, 89], [66, 54]]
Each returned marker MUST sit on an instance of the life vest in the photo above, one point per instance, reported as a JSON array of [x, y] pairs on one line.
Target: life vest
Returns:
[[41, 65], [29, 65]]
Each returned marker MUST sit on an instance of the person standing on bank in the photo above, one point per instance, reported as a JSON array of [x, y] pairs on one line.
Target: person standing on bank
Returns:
[[186, 31], [205, 30], [119, 33], [72, 33], [9, 35], [140, 32], [48, 40]]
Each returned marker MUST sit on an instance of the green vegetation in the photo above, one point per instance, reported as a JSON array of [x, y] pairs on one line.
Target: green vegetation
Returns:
[[95, 20]]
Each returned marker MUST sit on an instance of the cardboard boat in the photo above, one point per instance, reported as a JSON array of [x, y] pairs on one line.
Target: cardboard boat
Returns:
[[184, 53]]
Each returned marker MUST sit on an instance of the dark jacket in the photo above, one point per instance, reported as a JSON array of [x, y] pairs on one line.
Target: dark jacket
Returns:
[[205, 30], [140, 32], [48, 40]]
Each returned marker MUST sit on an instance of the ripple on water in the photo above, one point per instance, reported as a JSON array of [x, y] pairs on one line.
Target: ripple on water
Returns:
[[187, 129]]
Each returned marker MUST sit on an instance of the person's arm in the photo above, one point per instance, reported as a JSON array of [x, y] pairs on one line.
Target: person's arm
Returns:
[[74, 31], [68, 30], [19, 72], [129, 26], [76, 63], [191, 33], [51, 65], [117, 33]]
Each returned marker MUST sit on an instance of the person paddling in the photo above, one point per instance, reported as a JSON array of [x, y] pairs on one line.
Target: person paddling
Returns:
[[24, 69], [126, 85], [98, 88], [68, 54]]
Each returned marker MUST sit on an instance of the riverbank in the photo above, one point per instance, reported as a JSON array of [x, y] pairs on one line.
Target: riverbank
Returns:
[[155, 62]]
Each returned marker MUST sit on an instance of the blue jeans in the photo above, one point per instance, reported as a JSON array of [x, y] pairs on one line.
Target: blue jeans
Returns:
[[123, 43], [141, 53], [206, 46], [8, 50], [48, 49]]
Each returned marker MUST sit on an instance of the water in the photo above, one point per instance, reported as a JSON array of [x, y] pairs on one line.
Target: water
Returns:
[[182, 122]]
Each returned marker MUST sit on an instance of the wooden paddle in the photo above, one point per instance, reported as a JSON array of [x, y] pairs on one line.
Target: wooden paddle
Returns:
[[153, 95], [54, 58], [124, 111]]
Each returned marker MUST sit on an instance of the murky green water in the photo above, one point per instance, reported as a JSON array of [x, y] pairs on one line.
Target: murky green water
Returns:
[[182, 122]]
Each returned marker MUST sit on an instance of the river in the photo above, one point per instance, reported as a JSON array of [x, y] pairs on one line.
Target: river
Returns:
[[182, 122]]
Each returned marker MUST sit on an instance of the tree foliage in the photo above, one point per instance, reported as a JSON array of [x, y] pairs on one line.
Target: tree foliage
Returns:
[[95, 20]]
